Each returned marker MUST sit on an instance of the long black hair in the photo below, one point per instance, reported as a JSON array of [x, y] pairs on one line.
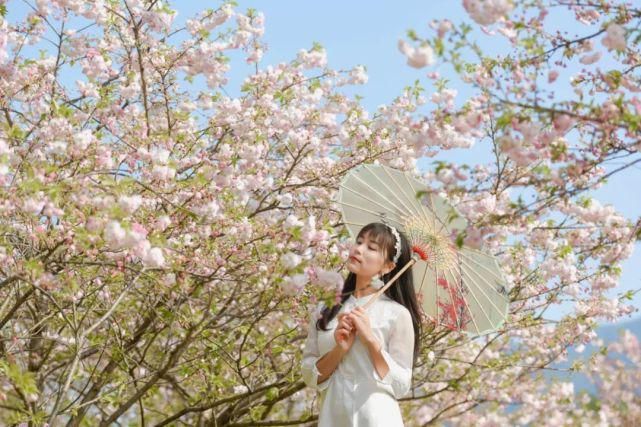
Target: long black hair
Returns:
[[402, 291]]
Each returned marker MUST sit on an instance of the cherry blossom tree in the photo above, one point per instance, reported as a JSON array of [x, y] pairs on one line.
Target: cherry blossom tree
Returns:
[[532, 205], [163, 242], [614, 373]]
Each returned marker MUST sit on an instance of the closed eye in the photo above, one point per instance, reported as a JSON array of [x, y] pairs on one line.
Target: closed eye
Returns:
[[371, 247]]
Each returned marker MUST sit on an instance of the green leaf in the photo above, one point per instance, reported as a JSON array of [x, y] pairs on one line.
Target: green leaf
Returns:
[[317, 47], [460, 238], [629, 295], [577, 365], [558, 150], [256, 412], [504, 120], [272, 393], [614, 77], [439, 47], [565, 251], [23, 380], [632, 120], [594, 404], [16, 132]]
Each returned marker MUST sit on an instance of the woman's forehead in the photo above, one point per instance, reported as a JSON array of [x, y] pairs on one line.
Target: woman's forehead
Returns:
[[369, 236]]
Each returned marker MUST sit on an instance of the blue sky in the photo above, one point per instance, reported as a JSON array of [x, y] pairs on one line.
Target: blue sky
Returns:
[[366, 33]]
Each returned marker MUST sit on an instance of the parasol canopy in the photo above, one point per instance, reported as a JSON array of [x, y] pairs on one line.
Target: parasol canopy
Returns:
[[459, 287]]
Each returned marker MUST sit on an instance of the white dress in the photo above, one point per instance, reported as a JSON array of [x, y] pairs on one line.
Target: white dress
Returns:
[[355, 395]]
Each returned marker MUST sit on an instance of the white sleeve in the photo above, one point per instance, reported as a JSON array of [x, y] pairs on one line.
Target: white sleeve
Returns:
[[399, 355], [311, 355]]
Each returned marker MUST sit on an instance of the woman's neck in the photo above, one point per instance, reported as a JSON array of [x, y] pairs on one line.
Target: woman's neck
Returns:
[[363, 287]]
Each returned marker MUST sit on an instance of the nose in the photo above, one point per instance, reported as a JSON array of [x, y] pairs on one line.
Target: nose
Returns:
[[358, 247]]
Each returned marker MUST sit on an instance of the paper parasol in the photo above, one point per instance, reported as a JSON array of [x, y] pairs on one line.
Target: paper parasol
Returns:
[[461, 288]]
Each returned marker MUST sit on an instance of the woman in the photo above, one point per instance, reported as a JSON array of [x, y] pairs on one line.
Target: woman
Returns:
[[361, 360]]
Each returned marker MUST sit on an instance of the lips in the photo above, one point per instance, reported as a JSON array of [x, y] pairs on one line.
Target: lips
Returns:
[[353, 258]]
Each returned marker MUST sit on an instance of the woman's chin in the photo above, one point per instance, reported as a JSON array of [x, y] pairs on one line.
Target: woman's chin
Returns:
[[352, 266]]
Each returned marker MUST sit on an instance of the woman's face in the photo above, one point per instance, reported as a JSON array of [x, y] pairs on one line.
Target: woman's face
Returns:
[[366, 257]]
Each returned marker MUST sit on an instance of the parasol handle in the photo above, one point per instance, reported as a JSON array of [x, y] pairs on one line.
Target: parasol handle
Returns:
[[378, 293]]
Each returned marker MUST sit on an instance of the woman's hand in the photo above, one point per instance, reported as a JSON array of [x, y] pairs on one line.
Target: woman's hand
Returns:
[[345, 333], [360, 321]]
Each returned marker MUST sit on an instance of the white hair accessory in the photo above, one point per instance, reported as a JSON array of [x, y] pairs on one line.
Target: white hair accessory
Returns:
[[397, 246]]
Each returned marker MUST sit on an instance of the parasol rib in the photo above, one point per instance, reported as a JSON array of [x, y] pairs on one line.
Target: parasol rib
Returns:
[[360, 194], [393, 193], [401, 191], [436, 217], [464, 253], [487, 317], [423, 208], [376, 214], [490, 300]]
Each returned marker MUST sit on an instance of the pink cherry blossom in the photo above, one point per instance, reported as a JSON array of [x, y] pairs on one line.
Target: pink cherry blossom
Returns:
[[416, 57], [442, 27], [130, 204], [358, 75], [329, 280], [614, 38], [486, 12], [290, 260], [95, 66], [295, 284], [563, 123], [292, 221], [591, 58], [154, 258], [114, 234], [3, 41], [315, 58]]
